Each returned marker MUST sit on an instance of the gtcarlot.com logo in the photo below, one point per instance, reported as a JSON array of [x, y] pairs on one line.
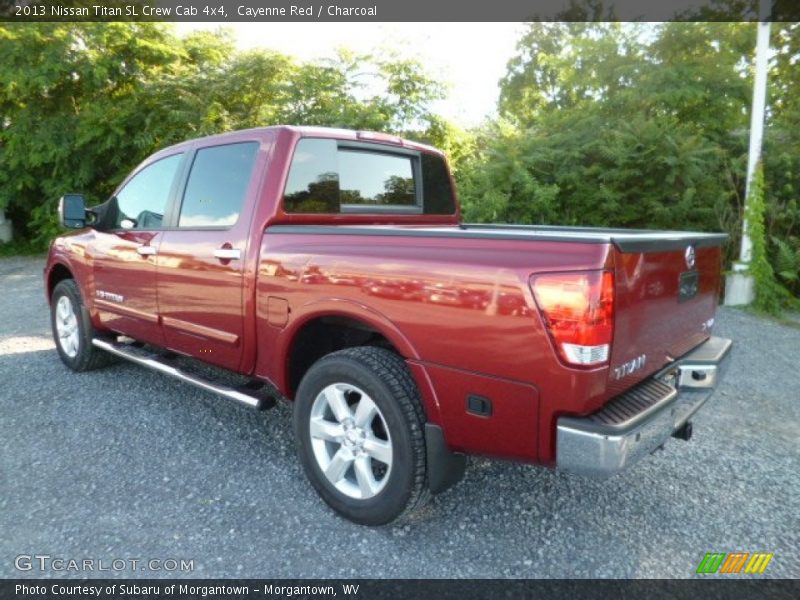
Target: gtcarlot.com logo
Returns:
[[734, 563], [46, 562]]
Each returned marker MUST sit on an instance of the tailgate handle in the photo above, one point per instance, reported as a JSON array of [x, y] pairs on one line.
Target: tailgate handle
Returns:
[[227, 253]]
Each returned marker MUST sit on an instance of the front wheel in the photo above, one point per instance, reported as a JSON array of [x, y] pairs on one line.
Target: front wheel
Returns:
[[358, 423], [72, 329]]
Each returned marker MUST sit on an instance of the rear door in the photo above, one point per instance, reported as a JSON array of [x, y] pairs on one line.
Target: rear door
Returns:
[[201, 258], [124, 257]]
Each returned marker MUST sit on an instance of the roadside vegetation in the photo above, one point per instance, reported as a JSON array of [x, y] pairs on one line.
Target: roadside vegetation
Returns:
[[607, 124]]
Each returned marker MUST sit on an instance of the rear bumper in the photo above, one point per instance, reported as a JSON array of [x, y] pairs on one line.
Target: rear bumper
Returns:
[[639, 421]]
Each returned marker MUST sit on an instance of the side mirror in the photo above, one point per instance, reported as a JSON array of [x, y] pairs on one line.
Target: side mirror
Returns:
[[72, 211]]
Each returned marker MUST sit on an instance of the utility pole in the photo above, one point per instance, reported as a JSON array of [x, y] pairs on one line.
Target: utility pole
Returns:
[[739, 284]]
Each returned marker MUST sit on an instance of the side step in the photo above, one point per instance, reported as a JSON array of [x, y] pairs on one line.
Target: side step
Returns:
[[250, 397]]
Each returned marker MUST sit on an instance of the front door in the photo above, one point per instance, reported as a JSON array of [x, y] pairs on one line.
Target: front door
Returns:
[[124, 256], [200, 262]]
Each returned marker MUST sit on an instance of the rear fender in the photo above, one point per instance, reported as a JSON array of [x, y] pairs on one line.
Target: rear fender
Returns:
[[369, 317]]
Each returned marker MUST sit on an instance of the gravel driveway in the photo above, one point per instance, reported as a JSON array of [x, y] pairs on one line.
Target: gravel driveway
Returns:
[[123, 463]]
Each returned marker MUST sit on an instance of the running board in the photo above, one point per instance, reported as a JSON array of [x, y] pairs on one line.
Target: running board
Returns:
[[152, 361]]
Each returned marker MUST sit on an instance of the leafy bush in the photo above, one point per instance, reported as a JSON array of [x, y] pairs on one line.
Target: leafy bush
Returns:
[[770, 296], [82, 103], [787, 262], [640, 125]]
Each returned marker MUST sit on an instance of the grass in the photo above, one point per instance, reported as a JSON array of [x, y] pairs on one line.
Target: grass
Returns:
[[20, 248]]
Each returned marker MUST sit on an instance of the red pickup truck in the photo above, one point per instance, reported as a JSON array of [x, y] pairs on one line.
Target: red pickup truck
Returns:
[[330, 267]]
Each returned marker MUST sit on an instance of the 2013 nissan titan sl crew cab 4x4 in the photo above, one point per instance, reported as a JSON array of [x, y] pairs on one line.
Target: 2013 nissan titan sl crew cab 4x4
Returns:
[[330, 267]]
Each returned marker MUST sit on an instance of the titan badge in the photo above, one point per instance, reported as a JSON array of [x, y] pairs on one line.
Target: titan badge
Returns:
[[110, 296], [630, 367]]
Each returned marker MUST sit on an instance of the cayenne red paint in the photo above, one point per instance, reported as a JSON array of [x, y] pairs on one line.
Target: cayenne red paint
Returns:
[[461, 311]]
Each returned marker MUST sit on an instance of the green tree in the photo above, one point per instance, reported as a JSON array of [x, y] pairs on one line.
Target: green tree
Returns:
[[782, 156], [609, 124], [640, 125], [82, 103]]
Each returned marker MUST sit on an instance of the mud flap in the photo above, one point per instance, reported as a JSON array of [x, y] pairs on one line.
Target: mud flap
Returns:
[[445, 468]]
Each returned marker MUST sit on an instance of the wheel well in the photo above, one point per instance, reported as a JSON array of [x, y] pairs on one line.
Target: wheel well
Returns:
[[324, 335], [57, 274]]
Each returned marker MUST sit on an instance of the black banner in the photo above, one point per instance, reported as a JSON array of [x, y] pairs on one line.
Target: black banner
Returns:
[[250, 589], [395, 11]]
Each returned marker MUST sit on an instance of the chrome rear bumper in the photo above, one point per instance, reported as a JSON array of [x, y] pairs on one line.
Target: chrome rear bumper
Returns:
[[634, 424]]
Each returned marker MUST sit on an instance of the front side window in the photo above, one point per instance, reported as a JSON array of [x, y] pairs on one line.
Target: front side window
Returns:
[[217, 185], [143, 200], [330, 177]]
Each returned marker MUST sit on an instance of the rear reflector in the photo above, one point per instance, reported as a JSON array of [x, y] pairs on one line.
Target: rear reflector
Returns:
[[578, 310]]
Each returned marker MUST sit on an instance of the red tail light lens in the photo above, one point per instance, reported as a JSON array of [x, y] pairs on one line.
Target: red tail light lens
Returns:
[[578, 310]]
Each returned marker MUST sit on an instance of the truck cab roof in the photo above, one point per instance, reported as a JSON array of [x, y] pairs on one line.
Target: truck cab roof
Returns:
[[304, 131]]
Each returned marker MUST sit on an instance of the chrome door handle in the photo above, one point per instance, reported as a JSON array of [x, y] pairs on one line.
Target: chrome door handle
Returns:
[[228, 253], [146, 250]]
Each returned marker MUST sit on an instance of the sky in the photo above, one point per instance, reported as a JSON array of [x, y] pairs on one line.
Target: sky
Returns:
[[469, 57]]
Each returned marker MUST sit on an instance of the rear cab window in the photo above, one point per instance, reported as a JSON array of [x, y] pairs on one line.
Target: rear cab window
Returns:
[[330, 176]]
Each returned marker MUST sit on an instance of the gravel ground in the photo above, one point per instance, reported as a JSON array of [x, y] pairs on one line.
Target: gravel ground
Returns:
[[124, 463]]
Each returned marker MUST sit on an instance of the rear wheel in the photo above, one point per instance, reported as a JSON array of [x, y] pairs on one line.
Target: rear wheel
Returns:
[[359, 431], [72, 329]]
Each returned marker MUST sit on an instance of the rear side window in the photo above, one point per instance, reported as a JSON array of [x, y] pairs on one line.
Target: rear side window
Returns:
[[313, 183], [217, 185], [327, 176]]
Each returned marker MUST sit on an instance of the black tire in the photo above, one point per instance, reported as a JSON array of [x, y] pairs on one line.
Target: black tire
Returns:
[[87, 356], [383, 375]]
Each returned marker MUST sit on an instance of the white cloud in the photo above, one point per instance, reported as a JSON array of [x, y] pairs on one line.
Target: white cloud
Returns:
[[208, 220]]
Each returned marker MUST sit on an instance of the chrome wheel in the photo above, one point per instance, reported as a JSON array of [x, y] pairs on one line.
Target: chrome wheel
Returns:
[[67, 327], [351, 441]]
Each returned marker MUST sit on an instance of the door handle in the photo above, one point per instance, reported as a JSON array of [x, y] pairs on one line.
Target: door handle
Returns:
[[228, 253], [146, 250]]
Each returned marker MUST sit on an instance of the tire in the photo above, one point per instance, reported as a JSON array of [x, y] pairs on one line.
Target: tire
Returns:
[[385, 440], [72, 329]]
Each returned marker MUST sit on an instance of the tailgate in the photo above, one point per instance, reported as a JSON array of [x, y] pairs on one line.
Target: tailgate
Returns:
[[665, 304]]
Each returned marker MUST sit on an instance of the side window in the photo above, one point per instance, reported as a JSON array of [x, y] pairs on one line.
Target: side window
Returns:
[[144, 198], [313, 182], [217, 185], [327, 177], [437, 189]]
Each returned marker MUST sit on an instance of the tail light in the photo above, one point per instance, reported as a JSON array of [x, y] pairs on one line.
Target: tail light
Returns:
[[578, 310]]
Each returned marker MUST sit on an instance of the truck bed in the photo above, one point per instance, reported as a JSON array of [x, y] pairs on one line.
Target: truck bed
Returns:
[[460, 287], [625, 240]]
